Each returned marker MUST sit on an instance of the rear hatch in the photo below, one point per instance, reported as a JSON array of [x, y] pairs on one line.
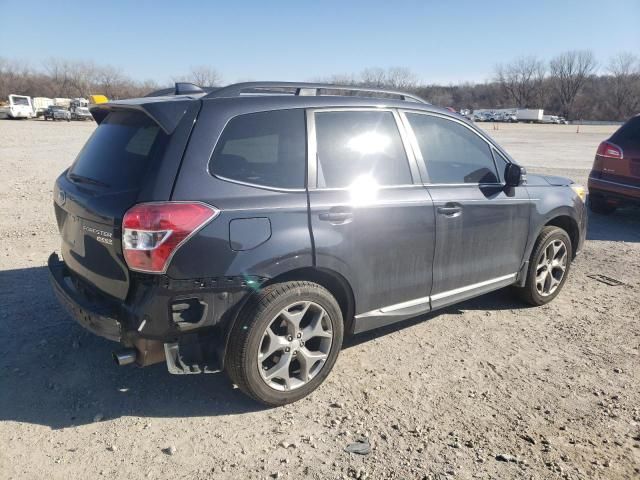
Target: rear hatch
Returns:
[[625, 170], [130, 158]]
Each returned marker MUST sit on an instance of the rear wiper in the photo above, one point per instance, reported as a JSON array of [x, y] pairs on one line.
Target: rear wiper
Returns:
[[82, 179]]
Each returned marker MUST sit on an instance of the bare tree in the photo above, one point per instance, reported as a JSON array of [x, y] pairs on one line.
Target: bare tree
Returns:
[[110, 81], [395, 77], [624, 94], [401, 78], [523, 81], [570, 71], [15, 77], [202, 76]]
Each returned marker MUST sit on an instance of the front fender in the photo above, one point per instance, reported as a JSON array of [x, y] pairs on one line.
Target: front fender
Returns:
[[552, 205]]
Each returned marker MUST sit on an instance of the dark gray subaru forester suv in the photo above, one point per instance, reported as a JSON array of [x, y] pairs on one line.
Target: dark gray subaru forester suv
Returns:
[[250, 228]]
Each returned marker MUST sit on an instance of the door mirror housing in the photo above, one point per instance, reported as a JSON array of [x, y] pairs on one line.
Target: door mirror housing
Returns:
[[513, 174]]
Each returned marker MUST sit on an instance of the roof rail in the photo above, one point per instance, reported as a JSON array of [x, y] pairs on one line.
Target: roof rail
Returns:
[[303, 89]]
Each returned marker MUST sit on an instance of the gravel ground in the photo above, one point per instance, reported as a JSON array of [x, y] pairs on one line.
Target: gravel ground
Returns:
[[486, 389]]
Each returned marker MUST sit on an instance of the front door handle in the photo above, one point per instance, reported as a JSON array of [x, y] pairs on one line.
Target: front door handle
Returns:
[[336, 216], [450, 210]]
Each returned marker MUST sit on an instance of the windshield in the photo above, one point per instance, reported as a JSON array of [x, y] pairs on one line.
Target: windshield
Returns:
[[120, 152]]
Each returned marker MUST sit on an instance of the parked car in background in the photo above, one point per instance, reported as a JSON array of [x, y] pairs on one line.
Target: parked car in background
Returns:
[[249, 229], [563, 121], [81, 113], [614, 180], [482, 117], [18, 107], [55, 112]]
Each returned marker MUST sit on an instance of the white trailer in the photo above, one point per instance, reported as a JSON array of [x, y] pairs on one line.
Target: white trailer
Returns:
[[19, 106], [40, 105], [62, 102], [530, 115]]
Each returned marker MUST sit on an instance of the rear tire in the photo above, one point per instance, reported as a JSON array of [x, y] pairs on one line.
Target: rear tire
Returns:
[[600, 206], [549, 267], [285, 342]]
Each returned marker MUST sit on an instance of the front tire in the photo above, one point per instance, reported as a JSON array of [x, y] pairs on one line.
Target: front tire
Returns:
[[549, 266], [285, 342]]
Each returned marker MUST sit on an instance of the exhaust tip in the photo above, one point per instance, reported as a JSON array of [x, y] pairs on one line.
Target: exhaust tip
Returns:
[[125, 357]]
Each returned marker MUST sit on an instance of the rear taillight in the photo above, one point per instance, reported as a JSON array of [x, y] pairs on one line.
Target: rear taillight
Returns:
[[153, 232], [609, 150]]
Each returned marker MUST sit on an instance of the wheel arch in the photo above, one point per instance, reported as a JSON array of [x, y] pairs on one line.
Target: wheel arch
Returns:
[[569, 225], [335, 283]]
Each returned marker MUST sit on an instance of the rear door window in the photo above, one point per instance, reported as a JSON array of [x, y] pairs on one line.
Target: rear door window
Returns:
[[120, 151], [354, 145], [629, 132], [452, 153], [266, 148]]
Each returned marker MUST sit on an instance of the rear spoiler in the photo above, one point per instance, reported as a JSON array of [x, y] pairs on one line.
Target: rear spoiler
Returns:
[[167, 112]]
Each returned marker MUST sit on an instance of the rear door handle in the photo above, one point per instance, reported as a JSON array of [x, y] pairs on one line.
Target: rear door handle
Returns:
[[450, 210], [337, 216]]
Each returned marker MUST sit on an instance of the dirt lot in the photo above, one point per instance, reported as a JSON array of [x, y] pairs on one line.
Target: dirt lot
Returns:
[[487, 389]]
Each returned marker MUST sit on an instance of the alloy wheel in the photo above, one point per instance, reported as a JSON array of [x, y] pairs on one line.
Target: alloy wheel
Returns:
[[295, 346], [551, 267]]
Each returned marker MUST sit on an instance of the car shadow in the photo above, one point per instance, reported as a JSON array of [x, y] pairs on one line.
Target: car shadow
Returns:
[[623, 225], [54, 373]]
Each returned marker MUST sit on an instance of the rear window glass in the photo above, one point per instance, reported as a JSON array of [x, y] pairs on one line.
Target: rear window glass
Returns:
[[630, 131], [120, 152], [266, 148]]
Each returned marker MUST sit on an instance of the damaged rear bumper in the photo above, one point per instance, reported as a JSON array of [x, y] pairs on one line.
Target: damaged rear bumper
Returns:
[[97, 318], [180, 321]]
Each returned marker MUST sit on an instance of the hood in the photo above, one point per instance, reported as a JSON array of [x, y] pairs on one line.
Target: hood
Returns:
[[546, 180]]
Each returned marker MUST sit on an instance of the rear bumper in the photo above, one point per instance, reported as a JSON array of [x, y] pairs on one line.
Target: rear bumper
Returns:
[[157, 308], [616, 191], [117, 321], [98, 319]]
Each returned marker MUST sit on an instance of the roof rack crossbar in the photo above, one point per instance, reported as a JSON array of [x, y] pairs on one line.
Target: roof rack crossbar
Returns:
[[305, 89]]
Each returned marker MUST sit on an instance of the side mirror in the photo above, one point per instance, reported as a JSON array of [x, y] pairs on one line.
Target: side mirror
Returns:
[[513, 174]]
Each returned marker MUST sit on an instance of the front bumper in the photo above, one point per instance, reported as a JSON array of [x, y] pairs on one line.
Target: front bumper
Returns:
[[97, 318]]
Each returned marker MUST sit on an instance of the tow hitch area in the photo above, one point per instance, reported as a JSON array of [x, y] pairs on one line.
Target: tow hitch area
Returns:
[[191, 355]]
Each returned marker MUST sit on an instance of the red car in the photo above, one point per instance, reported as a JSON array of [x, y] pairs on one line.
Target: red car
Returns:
[[614, 180]]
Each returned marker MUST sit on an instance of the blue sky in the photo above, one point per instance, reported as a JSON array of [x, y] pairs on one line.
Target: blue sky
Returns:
[[440, 41]]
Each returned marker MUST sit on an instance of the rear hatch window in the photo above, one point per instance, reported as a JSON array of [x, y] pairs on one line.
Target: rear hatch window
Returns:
[[120, 152], [104, 181], [629, 132]]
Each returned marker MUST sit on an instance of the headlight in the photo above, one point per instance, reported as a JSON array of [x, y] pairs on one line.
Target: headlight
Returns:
[[580, 191]]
